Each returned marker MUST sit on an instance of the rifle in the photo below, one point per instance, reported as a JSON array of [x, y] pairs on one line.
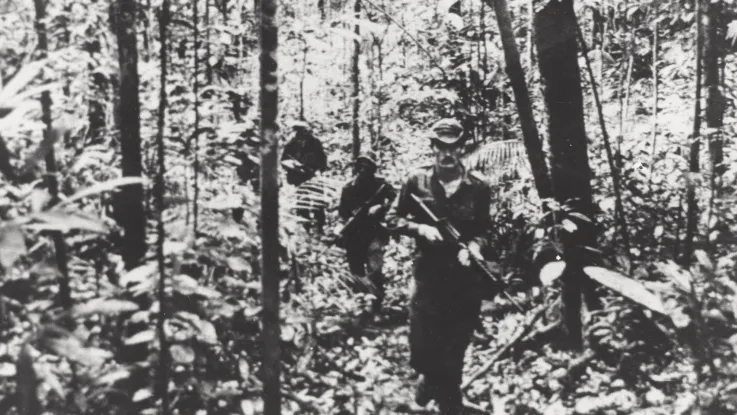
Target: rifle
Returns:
[[359, 214], [450, 233]]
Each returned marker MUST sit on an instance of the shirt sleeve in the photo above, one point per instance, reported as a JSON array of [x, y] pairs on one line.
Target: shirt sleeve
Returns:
[[344, 208], [483, 217], [398, 217]]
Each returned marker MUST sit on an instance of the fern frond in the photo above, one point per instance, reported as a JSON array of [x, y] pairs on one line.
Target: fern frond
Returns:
[[317, 193], [499, 161]]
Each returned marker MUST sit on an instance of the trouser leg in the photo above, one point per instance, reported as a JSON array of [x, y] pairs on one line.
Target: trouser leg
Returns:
[[374, 269], [437, 349]]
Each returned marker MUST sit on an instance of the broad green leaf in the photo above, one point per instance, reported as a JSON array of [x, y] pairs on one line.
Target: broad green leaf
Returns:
[[182, 354], [142, 394], [569, 226], [239, 264], [704, 259], [244, 368], [627, 287], [247, 407], [184, 284], [103, 187], [145, 336], [658, 232], [552, 271], [7, 370], [12, 244], [580, 216], [138, 274], [39, 199], [207, 292], [65, 221], [104, 306], [208, 334], [24, 76], [50, 378], [112, 377]]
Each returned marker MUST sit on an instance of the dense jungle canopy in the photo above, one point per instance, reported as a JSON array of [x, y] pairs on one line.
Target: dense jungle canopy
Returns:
[[155, 259]]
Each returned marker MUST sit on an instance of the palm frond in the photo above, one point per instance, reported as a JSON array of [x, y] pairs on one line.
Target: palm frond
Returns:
[[499, 161], [317, 193]]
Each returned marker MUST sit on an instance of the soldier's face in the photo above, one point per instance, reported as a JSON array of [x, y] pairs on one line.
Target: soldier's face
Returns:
[[447, 156], [365, 170]]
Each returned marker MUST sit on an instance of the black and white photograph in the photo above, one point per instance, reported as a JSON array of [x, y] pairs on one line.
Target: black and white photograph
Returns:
[[368, 207]]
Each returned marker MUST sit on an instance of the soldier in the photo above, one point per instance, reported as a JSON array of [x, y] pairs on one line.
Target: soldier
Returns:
[[302, 158], [303, 155], [364, 241], [446, 301]]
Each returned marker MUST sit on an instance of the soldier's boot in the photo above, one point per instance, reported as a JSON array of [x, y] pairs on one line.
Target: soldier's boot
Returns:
[[377, 279], [425, 391], [450, 402]]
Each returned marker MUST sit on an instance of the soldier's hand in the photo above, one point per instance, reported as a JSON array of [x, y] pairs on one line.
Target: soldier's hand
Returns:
[[430, 233], [464, 255], [373, 210]]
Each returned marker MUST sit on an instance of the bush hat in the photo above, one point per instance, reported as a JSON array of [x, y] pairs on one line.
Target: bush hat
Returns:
[[368, 156], [447, 131]]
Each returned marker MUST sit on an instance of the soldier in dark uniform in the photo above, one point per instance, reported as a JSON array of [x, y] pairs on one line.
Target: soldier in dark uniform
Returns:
[[303, 155], [302, 158], [446, 302], [364, 242]]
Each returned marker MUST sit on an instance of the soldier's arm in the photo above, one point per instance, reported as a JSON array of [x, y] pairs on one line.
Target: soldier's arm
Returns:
[[390, 195], [399, 218], [344, 208], [322, 158], [483, 217]]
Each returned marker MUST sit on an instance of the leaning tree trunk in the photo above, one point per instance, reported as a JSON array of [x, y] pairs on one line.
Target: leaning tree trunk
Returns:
[[128, 203], [355, 80], [270, 207], [533, 145], [557, 51], [693, 162]]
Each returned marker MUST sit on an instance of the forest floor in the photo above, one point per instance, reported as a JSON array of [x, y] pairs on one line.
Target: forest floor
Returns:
[[364, 364]]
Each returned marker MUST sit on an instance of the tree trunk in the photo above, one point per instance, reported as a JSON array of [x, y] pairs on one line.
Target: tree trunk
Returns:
[[52, 183], [128, 202], [714, 98], [270, 207], [163, 370], [355, 80], [656, 81], [557, 51], [693, 164], [196, 91], [208, 66], [533, 145]]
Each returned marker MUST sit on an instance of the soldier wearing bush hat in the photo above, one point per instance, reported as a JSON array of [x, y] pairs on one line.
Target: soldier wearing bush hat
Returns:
[[366, 240], [446, 300]]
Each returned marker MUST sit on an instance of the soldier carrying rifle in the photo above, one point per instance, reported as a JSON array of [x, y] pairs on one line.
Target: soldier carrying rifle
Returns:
[[364, 202], [448, 289]]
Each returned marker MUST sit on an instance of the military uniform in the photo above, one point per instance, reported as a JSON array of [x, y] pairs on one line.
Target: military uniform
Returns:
[[308, 152], [306, 149], [365, 245], [446, 302]]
